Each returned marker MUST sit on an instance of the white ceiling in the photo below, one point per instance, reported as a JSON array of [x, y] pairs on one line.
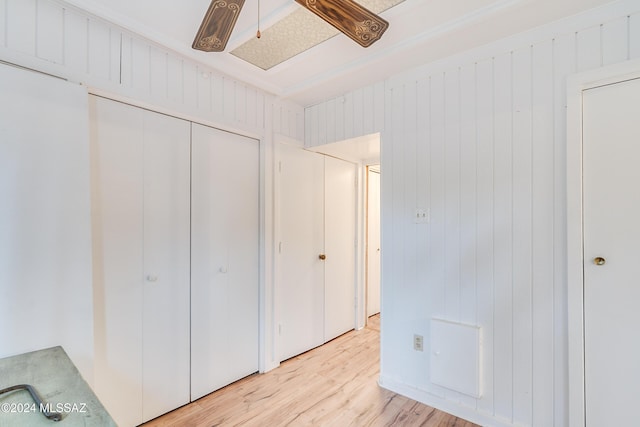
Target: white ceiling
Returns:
[[420, 31]]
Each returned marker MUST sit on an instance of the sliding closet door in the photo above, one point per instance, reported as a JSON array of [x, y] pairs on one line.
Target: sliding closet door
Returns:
[[225, 259]]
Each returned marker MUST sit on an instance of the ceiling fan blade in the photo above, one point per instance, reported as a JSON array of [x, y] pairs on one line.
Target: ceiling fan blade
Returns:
[[217, 25], [356, 22]]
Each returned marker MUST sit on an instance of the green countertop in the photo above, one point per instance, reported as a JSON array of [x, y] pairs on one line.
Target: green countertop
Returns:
[[58, 383]]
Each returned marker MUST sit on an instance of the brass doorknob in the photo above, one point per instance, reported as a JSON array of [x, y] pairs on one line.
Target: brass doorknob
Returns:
[[599, 261], [322, 257]]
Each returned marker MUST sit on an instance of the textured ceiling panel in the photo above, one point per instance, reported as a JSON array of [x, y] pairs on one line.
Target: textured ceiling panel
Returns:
[[297, 32]]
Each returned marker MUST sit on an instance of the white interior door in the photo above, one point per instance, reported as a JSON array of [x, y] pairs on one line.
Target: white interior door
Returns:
[[225, 259], [165, 320], [340, 249], [611, 149], [373, 243], [300, 292]]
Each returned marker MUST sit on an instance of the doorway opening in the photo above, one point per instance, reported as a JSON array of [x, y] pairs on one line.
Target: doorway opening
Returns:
[[364, 151]]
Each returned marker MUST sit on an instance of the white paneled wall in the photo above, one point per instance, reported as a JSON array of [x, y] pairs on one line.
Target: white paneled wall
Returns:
[[479, 139], [57, 38]]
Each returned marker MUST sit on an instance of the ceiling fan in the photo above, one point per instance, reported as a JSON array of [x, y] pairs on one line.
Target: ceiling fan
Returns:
[[356, 22]]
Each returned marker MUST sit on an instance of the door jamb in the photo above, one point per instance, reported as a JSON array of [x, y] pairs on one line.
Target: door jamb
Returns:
[[576, 84]]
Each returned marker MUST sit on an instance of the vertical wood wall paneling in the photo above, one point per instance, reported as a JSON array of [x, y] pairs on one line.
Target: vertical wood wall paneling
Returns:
[[368, 110], [191, 78], [468, 195], [204, 102], [437, 196], [452, 195], [175, 80], [99, 53], [340, 119], [320, 123], [379, 106], [217, 94], [543, 232], [423, 180], [50, 35], [634, 36], [21, 33], [76, 42], [158, 74], [241, 103], [522, 226], [393, 222], [485, 223], [3, 23], [589, 46], [358, 112], [251, 107], [564, 62], [409, 228], [348, 116], [140, 68], [229, 90], [503, 236], [331, 121], [615, 41]]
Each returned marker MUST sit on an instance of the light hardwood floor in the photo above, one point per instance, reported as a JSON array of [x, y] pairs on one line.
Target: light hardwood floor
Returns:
[[332, 385]]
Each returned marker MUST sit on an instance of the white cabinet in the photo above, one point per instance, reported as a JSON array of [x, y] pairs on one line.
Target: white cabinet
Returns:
[[140, 208], [225, 259], [316, 211]]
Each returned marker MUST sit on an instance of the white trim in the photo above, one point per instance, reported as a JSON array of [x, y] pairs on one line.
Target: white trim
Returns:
[[576, 84], [448, 406]]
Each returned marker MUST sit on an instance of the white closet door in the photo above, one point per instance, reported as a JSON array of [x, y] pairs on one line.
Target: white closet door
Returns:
[[140, 179], [117, 177], [300, 292], [373, 243], [340, 233], [611, 133], [165, 332], [225, 259]]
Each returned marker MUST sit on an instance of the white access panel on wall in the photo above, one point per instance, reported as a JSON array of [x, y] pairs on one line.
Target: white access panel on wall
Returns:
[[340, 249], [456, 349], [225, 258], [611, 133], [140, 215]]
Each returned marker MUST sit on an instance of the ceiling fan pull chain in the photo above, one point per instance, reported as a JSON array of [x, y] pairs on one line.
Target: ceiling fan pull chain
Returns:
[[258, 33]]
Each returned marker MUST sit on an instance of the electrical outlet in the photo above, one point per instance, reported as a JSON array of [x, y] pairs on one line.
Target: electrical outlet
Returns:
[[418, 343]]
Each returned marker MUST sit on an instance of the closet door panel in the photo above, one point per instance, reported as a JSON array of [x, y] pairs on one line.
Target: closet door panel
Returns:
[[165, 332], [225, 259], [340, 233], [117, 218]]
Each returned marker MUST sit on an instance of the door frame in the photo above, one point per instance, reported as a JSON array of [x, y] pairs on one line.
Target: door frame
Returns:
[[576, 84]]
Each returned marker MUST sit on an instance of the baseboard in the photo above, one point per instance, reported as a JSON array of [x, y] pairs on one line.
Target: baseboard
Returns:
[[442, 404]]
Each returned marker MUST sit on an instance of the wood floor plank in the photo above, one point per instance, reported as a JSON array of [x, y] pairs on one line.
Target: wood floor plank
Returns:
[[334, 385]]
